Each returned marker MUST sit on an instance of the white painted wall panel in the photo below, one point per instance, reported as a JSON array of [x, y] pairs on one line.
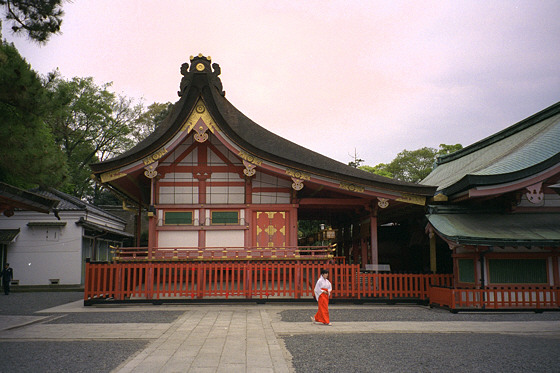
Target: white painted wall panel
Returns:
[[230, 238], [178, 239]]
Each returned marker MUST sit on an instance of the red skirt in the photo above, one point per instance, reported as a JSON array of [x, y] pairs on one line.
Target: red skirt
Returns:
[[322, 314]]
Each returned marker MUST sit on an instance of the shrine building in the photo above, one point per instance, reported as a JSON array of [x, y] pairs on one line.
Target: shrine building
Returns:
[[217, 185], [497, 207]]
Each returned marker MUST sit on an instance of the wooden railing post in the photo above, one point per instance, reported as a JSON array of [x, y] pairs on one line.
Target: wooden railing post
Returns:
[[298, 278]]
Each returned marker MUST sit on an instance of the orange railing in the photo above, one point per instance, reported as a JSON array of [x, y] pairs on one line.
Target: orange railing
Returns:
[[130, 254], [243, 279], [513, 297]]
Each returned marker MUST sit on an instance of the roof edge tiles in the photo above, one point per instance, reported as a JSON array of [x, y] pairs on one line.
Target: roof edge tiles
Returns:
[[470, 181]]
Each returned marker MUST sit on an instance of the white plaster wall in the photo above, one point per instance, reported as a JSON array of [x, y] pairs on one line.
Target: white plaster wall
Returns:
[[177, 239], [42, 253], [229, 238]]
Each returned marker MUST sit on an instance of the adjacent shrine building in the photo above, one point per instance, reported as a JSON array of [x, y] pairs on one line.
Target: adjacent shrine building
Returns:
[[212, 180]]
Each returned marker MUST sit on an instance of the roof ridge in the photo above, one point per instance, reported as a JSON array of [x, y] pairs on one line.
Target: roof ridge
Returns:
[[505, 133]]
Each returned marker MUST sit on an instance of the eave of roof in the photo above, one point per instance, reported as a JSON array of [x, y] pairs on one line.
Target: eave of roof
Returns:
[[19, 198], [102, 229], [8, 235], [250, 136], [499, 229]]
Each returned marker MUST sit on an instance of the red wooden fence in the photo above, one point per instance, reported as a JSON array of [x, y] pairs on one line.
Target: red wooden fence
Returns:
[[514, 297], [261, 280]]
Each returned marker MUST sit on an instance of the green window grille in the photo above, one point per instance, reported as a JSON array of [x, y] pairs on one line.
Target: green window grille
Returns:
[[466, 270], [524, 271], [225, 218], [178, 218]]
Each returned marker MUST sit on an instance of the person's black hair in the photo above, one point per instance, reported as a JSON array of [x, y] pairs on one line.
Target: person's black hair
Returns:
[[323, 271]]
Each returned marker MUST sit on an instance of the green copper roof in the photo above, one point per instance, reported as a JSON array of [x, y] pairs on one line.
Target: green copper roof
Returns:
[[498, 229], [521, 150]]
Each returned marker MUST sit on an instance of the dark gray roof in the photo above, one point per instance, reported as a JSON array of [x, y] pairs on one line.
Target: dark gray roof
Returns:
[[247, 135], [103, 228], [23, 199], [540, 229], [522, 150], [71, 203]]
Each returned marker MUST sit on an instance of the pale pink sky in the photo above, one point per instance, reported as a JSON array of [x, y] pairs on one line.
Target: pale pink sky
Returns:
[[333, 76]]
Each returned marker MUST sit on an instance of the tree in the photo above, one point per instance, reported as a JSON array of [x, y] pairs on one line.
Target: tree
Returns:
[[150, 119], [38, 19], [90, 124], [380, 169], [28, 155], [357, 161], [412, 165]]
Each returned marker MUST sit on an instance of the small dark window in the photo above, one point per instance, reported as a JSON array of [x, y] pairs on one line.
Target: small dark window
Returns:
[[466, 270], [178, 218], [225, 218]]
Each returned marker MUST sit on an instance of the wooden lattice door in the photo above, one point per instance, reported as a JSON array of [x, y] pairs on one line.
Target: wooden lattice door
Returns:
[[271, 229]]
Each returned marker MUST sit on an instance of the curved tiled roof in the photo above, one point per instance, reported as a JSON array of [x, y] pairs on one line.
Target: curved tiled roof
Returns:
[[249, 136], [522, 150]]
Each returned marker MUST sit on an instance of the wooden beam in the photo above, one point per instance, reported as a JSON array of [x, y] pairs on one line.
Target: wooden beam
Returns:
[[334, 201]]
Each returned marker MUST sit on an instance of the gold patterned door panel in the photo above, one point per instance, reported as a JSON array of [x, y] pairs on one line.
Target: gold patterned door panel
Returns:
[[271, 229]]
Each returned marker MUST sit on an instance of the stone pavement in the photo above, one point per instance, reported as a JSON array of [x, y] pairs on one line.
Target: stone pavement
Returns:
[[227, 338]]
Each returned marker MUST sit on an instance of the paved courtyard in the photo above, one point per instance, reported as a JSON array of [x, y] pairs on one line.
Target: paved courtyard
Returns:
[[54, 332]]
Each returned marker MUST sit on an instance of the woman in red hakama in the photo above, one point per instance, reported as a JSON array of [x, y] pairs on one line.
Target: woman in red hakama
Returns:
[[323, 290]]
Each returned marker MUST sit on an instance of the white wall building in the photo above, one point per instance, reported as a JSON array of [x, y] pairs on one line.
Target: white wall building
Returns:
[[51, 249]]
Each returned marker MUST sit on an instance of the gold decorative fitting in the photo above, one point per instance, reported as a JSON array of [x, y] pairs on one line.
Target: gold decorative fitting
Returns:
[[298, 174], [415, 200], [111, 175], [250, 158], [151, 171], [383, 202], [297, 184], [154, 157], [249, 168], [351, 187], [200, 67]]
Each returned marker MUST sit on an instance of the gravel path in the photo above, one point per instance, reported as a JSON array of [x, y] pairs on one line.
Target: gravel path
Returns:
[[423, 353], [57, 356], [26, 304]]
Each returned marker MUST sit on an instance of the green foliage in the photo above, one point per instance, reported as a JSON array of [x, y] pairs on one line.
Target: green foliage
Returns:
[[28, 155], [150, 119], [38, 19], [412, 165], [380, 169], [90, 124]]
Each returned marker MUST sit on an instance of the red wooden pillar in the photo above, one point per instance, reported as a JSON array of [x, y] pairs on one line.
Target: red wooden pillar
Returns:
[[374, 243], [139, 224], [152, 216]]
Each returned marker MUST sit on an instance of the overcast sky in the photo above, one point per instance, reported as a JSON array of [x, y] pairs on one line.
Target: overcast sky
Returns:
[[333, 76]]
